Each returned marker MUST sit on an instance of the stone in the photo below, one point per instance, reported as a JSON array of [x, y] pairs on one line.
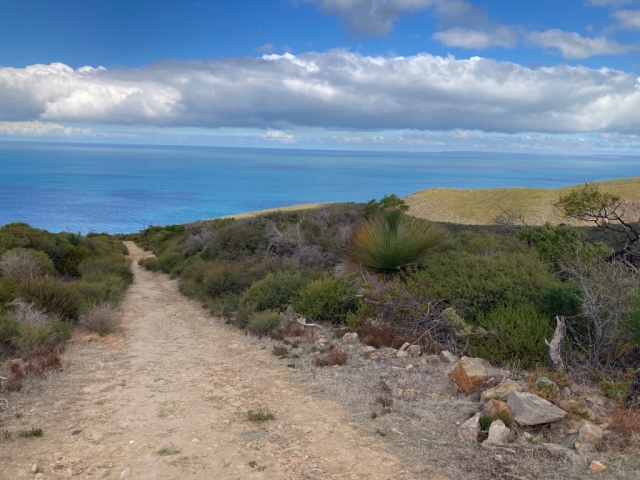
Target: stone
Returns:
[[496, 406], [469, 373], [34, 468], [596, 466], [569, 441], [404, 346], [402, 354], [561, 451], [414, 350], [530, 409], [350, 337], [498, 433], [589, 433], [469, 430], [369, 349], [430, 360], [447, 357], [565, 392], [584, 447], [500, 391], [126, 473]]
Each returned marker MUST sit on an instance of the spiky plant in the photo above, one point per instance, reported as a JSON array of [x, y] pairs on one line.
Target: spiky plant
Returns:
[[392, 242]]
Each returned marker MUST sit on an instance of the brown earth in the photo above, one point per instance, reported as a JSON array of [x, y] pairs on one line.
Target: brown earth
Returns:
[[169, 398]]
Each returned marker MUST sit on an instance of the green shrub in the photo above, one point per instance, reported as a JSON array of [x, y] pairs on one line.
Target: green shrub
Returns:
[[392, 242], [327, 299], [515, 334], [261, 323], [100, 289], [25, 263], [236, 241], [8, 289], [222, 278], [52, 295], [168, 261], [114, 265], [243, 315], [274, 291], [9, 331], [478, 273]]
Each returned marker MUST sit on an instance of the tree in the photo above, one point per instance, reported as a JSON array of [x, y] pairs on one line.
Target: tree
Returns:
[[388, 202], [607, 211]]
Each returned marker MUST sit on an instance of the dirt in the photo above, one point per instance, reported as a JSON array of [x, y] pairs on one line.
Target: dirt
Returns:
[[169, 399]]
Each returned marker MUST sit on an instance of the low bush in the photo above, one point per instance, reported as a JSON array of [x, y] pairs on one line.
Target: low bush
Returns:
[[262, 323], [53, 295], [514, 334], [108, 265], [377, 335], [102, 319], [334, 357], [327, 299], [274, 291], [8, 289], [99, 289], [392, 242], [24, 263]]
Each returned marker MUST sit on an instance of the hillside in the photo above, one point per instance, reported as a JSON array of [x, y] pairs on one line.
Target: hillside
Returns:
[[482, 206]]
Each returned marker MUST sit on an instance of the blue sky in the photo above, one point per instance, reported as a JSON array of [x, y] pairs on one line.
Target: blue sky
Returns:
[[363, 74]]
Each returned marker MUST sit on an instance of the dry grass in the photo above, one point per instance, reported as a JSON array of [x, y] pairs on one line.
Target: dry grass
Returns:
[[627, 423], [483, 206], [102, 319]]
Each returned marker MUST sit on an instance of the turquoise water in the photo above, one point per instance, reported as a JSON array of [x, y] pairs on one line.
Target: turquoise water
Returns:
[[121, 189]]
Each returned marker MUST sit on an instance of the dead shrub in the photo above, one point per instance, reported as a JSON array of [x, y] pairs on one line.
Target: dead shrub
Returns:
[[102, 319], [293, 329], [384, 401], [334, 357], [17, 370], [13, 384], [626, 423], [24, 263], [280, 351], [29, 314], [379, 335]]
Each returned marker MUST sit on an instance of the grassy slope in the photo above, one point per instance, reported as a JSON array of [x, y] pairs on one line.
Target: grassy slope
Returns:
[[481, 207]]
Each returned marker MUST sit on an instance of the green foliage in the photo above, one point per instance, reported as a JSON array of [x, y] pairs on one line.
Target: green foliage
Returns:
[[274, 291], [479, 272], [584, 200], [618, 390], [487, 419], [515, 334], [237, 241], [100, 289], [373, 207], [8, 289], [261, 323], [392, 242], [560, 299], [52, 295], [106, 265], [327, 299]]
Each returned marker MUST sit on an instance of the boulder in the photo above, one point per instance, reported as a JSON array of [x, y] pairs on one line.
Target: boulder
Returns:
[[414, 350], [589, 433], [530, 409], [498, 433], [350, 337], [469, 373], [500, 392], [496, 406], [469, 430], [447, 357]]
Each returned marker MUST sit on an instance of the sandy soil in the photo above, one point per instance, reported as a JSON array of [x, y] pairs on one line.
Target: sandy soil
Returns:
[[168, 399]]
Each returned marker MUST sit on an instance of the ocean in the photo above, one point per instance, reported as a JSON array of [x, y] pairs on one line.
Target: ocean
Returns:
[[123, 189]]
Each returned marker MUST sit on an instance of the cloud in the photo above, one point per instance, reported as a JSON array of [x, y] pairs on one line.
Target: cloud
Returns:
[[280, 136], [607, 3], [332, 90], [266, 48], [477, 39], [574, 45], [377, 17], [41, 129], [629, 19]]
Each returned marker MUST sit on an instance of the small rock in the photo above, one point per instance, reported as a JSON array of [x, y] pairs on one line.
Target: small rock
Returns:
[[369, 349], [350, 337], [572, 431], [409, 367], [496, 406], [500, 392], [34, 468], [322, 341], [565, 392], [405, 346], [76, 432], [469, 430], [565, 452], [596, 466], [589, 433], [402, 354], [498, 433], [468, 373], [569, 441], [414, 350], [430, 360], [530, 409], [126, 473], [447, 357], [584, 447]]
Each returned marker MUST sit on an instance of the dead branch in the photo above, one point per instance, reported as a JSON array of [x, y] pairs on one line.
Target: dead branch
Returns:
[[556, 344]]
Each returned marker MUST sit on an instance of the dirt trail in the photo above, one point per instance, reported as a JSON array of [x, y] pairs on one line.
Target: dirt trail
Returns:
[[180, 380]]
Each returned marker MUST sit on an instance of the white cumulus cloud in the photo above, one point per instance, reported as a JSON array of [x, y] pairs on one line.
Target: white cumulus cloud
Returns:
[[574, 45], [280, 136], [41, 129], [333, 90]]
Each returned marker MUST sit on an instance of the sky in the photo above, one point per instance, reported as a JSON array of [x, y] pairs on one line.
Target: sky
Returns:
[[531, 76]]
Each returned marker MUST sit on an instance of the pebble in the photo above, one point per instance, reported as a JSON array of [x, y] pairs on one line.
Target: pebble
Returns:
[[34, 468], [195, 440], [597, 466], [126, 473]]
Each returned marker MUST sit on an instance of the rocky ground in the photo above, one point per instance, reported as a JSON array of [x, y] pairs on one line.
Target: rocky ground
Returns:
[[169, 398]]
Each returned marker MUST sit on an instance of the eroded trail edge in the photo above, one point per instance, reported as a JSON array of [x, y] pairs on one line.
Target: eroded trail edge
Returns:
[[170, 398]]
